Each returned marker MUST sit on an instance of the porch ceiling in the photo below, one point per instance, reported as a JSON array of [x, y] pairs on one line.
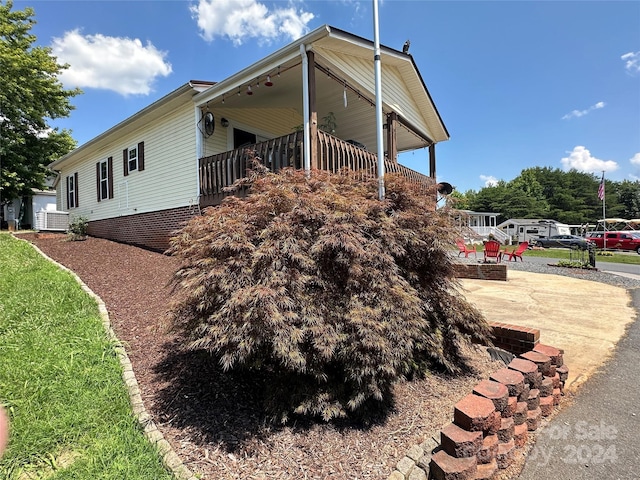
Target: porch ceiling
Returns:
[[348, 58], [354, 121]]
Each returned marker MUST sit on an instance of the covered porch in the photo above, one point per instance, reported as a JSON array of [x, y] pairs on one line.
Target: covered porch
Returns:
[[216, 172], [311, 106]]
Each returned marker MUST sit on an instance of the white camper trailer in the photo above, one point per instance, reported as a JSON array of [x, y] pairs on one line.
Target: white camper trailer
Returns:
[[530, 229]]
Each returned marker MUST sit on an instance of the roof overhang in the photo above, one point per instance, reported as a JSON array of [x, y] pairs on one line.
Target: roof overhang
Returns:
[[156, 110], [332, 46]]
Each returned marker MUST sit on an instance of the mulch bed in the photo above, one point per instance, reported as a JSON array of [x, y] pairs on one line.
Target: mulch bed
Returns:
[[214, 420]]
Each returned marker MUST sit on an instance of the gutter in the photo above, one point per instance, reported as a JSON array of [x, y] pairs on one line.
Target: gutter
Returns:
[[270, 62], [145, 111]]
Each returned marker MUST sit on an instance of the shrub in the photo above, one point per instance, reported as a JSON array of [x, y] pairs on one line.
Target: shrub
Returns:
[[78, 228], [575, 264], [318, 282]]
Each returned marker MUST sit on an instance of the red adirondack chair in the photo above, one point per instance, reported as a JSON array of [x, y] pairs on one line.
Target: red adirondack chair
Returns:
[[462, 248], [492, 250], [517, 252]]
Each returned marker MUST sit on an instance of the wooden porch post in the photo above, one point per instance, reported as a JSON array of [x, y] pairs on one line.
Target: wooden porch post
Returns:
[[392, 144], [313, 112], [432, 160]]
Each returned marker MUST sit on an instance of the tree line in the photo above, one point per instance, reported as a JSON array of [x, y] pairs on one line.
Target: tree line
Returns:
[[544, 192]]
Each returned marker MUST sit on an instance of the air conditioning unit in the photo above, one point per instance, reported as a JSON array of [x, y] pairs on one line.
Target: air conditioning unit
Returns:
[[52, 220]]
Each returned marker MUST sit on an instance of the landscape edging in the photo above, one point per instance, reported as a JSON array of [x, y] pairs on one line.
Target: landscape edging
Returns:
[[170, 458]]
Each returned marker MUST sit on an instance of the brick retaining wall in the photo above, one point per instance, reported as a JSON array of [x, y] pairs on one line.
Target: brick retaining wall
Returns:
[[491, 424], [513, 338], [481, 271]]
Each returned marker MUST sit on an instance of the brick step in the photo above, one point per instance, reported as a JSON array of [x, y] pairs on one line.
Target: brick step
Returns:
[[506, 454], [489, 449], [520, 434], [505, 434], [533, 419], [555, 354], [513, 380], [520, 416], [494, 391], [528, 369], [474, 413], [546, 406], [445, 467], [460, 443], [542, 361], [486, 471], [533, 401], [546, 387]]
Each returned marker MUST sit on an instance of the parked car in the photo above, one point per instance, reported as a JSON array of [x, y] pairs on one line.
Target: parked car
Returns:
[[566, 241], [616, 240]]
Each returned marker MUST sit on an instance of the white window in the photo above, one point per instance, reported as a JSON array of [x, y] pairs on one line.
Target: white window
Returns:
[[133, 158], [72, 191], [104, 179]]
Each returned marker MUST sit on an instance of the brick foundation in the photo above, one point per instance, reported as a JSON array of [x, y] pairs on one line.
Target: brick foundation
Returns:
[[148, 230]]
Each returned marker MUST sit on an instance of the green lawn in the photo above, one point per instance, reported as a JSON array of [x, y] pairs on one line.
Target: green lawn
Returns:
[[60, 380]]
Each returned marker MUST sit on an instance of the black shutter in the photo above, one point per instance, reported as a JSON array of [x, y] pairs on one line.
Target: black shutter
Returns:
[[68, 196], [141, 156], [75, 189], [98, 179], [110, 175], [125, 161]]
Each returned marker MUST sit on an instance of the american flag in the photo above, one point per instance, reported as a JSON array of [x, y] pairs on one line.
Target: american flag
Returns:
[[601, 189]]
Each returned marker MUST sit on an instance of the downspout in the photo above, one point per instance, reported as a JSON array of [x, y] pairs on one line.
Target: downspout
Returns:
[[378, 80], [198, 152], [305, 110]]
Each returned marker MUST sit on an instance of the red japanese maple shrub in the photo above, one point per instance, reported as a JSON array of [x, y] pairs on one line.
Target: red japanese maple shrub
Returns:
[[317, 280]]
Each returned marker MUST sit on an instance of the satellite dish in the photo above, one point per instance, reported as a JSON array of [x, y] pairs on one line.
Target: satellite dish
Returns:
[[209, 123], [444, 188]]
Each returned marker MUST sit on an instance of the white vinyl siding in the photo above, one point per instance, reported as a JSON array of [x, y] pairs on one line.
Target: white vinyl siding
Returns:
[[395, 92], [265, 123], [169, 179]]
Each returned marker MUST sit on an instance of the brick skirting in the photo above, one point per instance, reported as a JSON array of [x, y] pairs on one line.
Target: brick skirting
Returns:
[[148, 230], [481, 271]]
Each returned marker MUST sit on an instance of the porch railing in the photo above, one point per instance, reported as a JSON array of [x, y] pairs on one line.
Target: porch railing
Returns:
[[222, 170]]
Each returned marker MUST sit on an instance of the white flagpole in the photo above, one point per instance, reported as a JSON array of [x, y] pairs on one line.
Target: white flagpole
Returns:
[[378, 80], [604, 211]]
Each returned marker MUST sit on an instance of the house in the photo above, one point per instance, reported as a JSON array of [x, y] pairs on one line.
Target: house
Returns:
[[22, 212], [480, 226], [309, 104]]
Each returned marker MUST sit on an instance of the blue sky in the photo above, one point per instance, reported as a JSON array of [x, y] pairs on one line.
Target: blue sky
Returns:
[[518, 83]]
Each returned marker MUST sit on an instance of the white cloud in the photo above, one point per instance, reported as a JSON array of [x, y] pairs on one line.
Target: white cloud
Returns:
[[240, 20], [635, 160], [581, 113], [123, 65], [631, 62], [580, 159], [489, 180]]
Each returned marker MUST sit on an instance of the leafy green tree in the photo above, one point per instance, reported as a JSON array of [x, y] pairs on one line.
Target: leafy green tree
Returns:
[[30, 96], [569, 197], [629, 198], [332, 292], [490, 199]]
